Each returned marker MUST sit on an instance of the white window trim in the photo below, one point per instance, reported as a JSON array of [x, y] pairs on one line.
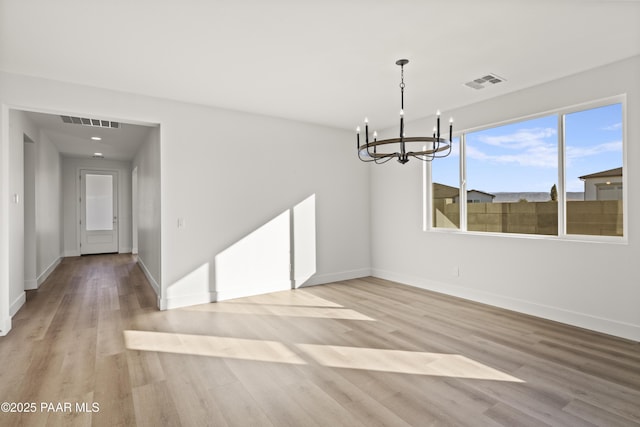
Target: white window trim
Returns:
[[562, 234]]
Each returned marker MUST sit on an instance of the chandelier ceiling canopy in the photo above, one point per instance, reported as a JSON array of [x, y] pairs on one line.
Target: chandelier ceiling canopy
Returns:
[[425, 148]]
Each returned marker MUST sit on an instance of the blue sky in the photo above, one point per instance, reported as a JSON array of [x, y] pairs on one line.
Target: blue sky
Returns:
[[523, 156]]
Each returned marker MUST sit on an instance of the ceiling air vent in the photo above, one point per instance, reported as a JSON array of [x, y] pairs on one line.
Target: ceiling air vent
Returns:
[[84, 121], [484, 81]]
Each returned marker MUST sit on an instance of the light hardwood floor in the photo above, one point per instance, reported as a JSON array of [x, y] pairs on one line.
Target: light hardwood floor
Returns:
[[364, 352]]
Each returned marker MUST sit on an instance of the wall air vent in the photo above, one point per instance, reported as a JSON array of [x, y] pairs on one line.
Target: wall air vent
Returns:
[[84, 121], [484, 81]]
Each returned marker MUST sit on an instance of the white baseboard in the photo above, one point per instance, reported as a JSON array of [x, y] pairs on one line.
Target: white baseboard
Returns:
[[187, 300], [71, 253], [322, 279], [5, 326], [152, 282], [248, 291], [47, 272], [17, 303], [30, 284], [582, 320], [125, 250], [318, 279], [134, 250]]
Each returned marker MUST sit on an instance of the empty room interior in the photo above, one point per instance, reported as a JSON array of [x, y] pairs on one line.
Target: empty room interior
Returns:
[[317, 213]]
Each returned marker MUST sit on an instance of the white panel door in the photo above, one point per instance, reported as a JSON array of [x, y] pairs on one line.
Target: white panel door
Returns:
[[98, 212]]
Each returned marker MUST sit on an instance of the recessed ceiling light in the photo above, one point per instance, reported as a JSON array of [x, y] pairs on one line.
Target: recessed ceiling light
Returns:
[[96, 138], [98, 156]]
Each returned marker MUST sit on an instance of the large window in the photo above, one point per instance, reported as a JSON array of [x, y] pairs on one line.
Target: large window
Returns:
[[593, 171], [510, 172], [557, 174]]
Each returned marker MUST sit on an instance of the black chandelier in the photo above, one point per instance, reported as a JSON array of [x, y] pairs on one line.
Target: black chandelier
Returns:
[[429, 148]]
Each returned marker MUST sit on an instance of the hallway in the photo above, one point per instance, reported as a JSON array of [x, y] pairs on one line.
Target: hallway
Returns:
[[66, 344]]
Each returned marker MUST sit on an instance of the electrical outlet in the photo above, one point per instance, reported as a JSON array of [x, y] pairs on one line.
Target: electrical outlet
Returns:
[[455, 271]]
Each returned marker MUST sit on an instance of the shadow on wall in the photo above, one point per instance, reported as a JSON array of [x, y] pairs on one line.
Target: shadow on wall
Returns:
[[279, 255]]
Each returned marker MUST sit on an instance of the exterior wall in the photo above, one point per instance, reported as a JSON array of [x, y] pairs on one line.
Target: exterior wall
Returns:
[[478, 197], [475, 197], [591, 186]]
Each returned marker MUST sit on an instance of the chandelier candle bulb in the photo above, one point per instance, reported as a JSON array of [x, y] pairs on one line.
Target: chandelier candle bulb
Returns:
[[375, 138], [366, 130], [358, 140], [450, 130]]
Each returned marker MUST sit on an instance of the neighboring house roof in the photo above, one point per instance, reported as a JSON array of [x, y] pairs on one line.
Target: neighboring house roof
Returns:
[[441, 191], [603, 174], [482, 192]]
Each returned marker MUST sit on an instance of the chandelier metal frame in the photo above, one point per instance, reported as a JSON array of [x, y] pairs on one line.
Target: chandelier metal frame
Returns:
[[433, 147]]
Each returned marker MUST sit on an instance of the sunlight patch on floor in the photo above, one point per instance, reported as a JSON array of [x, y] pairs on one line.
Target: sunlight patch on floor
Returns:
[[370, 359], [282, 310], [294, 297], [204, 345], [405, 362]]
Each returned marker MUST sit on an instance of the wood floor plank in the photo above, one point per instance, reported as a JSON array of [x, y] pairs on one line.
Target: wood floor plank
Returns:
[[359, 352]]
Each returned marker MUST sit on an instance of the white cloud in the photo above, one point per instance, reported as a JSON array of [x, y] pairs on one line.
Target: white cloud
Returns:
[[522, 138], [615, 126], [533, 149], [594, 150]]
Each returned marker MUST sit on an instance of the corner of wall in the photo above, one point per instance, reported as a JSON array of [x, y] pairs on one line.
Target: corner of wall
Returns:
[[48, 271], [322, 279], [5, 326], [30, 285], [153, 283], [17, 303], [186, 300]]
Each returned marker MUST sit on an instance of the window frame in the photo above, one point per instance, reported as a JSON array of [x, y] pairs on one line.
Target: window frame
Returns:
[[560, 113]]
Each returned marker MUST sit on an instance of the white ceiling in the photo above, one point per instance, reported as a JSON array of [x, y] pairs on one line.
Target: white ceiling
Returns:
[[329, 62]]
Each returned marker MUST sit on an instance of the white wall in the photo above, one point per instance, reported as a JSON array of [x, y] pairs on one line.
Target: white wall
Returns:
[[226, 174], [30, 249], [557, 279], [19, 126], [149, 226], [37, 184], [71, 167], [591, 188], [5, 242], [48, 216]]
